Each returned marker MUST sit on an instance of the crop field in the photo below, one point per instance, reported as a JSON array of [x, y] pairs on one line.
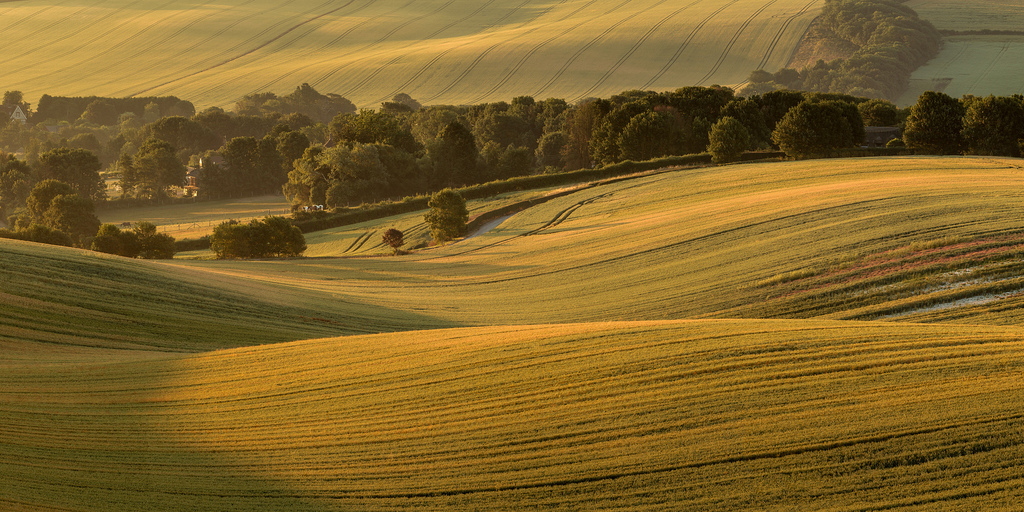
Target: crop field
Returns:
[[976, 65], [954, 15], [695, 415], [438, 51], [972, 64], [809, 335], [712, 242]]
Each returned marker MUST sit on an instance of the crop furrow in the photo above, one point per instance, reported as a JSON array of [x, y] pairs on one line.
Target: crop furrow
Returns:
[[682, 47], [430, 65], [522, 61], [383, 38], [781, 32], [636, 46], [586, 46], [991, 66], [732, 42], [248, 52], [48, 42]]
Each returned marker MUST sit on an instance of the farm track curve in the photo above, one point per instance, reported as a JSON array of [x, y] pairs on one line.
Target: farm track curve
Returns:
[[629, 53], [248, 52], [682, 46], [431, 36], [732, 42], [781, 32]]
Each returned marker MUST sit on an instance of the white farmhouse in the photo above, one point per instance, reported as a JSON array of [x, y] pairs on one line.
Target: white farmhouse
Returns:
[[14, 112]]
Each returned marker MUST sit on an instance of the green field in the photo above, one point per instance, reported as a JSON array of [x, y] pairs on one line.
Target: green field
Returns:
[[971, 64], [975, 65], [438, 51], [810, 335]]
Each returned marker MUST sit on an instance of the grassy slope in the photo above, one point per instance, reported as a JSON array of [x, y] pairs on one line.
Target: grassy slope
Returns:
[[710, 415], [439, 51], [693, 243], [705, 414], [65, 297]]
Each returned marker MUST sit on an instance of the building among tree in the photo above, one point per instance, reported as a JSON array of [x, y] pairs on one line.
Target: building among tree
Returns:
[[13, 113], [879, 136]]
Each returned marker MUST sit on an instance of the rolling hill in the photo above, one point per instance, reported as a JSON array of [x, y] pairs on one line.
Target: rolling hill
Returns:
[[438, 51], [743, 337]]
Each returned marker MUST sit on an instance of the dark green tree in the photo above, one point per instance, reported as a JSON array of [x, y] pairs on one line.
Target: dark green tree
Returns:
[[55, 205], [128, 180], [549, 150], [112, 240], [77, 167], [157, 167], [355, 174], [648, 135], [814, 129], [153, 245], [728, 140], [269, 237], [102, 112], [447, 217], [187, 136], [994, 126], [935, 124], [15, 183], [454, 156], [878, 112]]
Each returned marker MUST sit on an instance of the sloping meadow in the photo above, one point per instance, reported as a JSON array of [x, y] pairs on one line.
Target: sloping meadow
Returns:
[[708, 415], [569, 358]]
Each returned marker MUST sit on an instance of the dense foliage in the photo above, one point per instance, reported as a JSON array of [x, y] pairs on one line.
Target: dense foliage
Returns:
[[885, 42], [269, 237], [447, 216]]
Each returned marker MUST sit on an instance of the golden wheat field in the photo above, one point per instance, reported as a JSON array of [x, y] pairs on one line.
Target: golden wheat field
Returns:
[[438, 51], [810, 335]]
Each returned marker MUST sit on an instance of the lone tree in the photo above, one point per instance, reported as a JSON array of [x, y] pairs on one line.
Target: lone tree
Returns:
[[447, 216], [394, 238]]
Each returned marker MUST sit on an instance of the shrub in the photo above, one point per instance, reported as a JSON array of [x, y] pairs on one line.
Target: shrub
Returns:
[[394, 238]]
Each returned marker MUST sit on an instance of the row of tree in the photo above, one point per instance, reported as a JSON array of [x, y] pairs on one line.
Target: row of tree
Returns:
[[943, 125]]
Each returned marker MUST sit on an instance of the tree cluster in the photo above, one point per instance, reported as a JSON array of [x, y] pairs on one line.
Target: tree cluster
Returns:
[[142, 241], [942, 125], [885, 41], [260, 238]]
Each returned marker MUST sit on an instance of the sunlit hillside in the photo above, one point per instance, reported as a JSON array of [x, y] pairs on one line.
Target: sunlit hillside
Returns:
[[808, 335], [852, 238], [438, 51], [686, 415]]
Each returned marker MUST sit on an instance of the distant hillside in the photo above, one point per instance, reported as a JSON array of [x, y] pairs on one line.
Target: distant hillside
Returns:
[[438, 51]]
